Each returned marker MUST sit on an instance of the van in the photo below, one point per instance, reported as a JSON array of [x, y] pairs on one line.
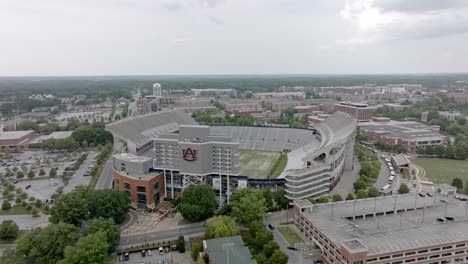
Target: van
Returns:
[[390, 180], [386, 187], [161, 251]]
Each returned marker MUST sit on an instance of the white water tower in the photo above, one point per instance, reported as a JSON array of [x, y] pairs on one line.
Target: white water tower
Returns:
[[157, 90]]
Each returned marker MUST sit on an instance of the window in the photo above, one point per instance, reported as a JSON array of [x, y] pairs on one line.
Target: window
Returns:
[[435, 249], [447, 247], [384, 257], [459, 252], [460, 245], [372, 259], [434, 256], [122, 166], [127, 189], [397, 255], [410, 253], [141, 196], [422, 251], [446, 254]]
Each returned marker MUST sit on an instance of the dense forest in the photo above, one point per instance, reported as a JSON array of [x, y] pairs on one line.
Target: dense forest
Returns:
[[118, 86]]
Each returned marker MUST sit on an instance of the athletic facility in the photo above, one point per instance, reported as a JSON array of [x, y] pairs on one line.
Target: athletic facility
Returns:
[[308, 162]]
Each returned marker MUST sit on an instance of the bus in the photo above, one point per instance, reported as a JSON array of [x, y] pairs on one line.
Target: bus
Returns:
[[392, 173], [383, 156], [386, 187], [390, 180], [387, 160]]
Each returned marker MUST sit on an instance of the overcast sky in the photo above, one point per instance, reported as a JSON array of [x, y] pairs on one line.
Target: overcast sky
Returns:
[[136, 37]]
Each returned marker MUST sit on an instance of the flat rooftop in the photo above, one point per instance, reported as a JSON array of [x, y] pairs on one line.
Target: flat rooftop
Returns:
[[131, 157], [8, 135], [408, 228]]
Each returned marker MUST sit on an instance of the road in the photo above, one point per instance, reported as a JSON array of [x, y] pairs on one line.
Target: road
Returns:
[[105, 180], [150, 237]]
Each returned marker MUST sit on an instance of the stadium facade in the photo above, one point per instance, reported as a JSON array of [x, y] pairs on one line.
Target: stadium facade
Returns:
[[184, 153]]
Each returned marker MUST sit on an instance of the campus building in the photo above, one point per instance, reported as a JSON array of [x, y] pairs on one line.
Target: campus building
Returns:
[[408, 134], [360, 111], [183, 153], [386, 230], [15, 140]]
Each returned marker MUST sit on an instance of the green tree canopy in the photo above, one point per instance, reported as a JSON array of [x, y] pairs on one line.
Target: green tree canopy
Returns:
[[70, 208], [90, 249], [350, 196], [279, 257], [403, 189], [361, 194], [373, 192], [8, 230], [248, 205], [109, 203], [337, 197], [111, 230], [457, 182], [322, 199], [197, 203], [220, 226], [47, 245]]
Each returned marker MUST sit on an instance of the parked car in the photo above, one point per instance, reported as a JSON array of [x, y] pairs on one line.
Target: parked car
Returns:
[[440, 219], [126, 256], [271, 226], [161, 251], [429, 194], [450, 218], [149, 253], [143, 253], [292, 248], [28, 186], [422, 194]]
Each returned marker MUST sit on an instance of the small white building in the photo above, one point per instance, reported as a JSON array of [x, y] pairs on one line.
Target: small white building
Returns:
[[445, 189]]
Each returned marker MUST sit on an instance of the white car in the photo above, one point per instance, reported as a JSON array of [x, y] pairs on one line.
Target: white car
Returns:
[[149, 253], [161, 251]]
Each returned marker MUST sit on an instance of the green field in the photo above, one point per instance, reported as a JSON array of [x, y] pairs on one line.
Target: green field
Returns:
[[443, 170], [257, 164], [290, 236]]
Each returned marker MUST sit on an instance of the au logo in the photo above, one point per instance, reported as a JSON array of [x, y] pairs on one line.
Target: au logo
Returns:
[[189, 155]]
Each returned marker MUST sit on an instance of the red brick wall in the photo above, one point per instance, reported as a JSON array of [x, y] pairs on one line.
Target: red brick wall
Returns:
[[134, 182]]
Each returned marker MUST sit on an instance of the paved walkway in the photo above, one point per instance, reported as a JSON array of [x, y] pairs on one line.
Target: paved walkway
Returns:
[[27, 222], [345, 185]]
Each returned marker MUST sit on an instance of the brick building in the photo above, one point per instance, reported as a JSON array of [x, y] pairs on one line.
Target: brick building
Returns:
[[361, 112], [410, 135], [133, 174], [16, 140]]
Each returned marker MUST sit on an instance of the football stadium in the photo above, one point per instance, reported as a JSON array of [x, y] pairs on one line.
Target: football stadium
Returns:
[[165, 152]]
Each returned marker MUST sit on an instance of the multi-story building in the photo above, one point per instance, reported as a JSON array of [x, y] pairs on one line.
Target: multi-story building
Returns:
[[211, 92], [408, 134], [319, 171], [284, 104], [280, 95], [232, 105], [360, 111], [135, 176], [386, 230], [15, 140]]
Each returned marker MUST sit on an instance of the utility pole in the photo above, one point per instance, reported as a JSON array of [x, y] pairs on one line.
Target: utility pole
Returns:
[[227, 246]]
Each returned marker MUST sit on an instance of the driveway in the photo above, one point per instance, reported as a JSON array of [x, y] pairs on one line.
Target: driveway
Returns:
[[78, 178]]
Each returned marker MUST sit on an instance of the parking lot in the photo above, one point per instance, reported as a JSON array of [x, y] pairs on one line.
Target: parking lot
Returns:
[[41, 186], [155, 258]]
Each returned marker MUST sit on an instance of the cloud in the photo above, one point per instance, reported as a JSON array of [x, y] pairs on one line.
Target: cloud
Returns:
[[215, 20], [375, 21], [172, 6]]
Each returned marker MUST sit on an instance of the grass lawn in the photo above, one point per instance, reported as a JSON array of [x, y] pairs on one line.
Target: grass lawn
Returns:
[[15, 210], [290, 236], [257, 164], [21, 233], [443, 170]]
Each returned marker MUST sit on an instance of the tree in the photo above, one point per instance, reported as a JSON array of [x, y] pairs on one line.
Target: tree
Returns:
[[361, 194], [322, 199], [350, 196], [403, 189], [181, 244], [457, 182], [11, 254], [248, 205], [6, 205], [52, 173], [279, 257], [19, 175], [268, 197], [8, 230], [71, 208], [262, 237], [280, 198], [197, 203], [373, 192], [89, 249], [111, 230], [31, 174], [220, 226], [337, 197], [47, 245], [109, 203], [255, 226], [359, 184], [270, 248], [196, 249], [42, 172]]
